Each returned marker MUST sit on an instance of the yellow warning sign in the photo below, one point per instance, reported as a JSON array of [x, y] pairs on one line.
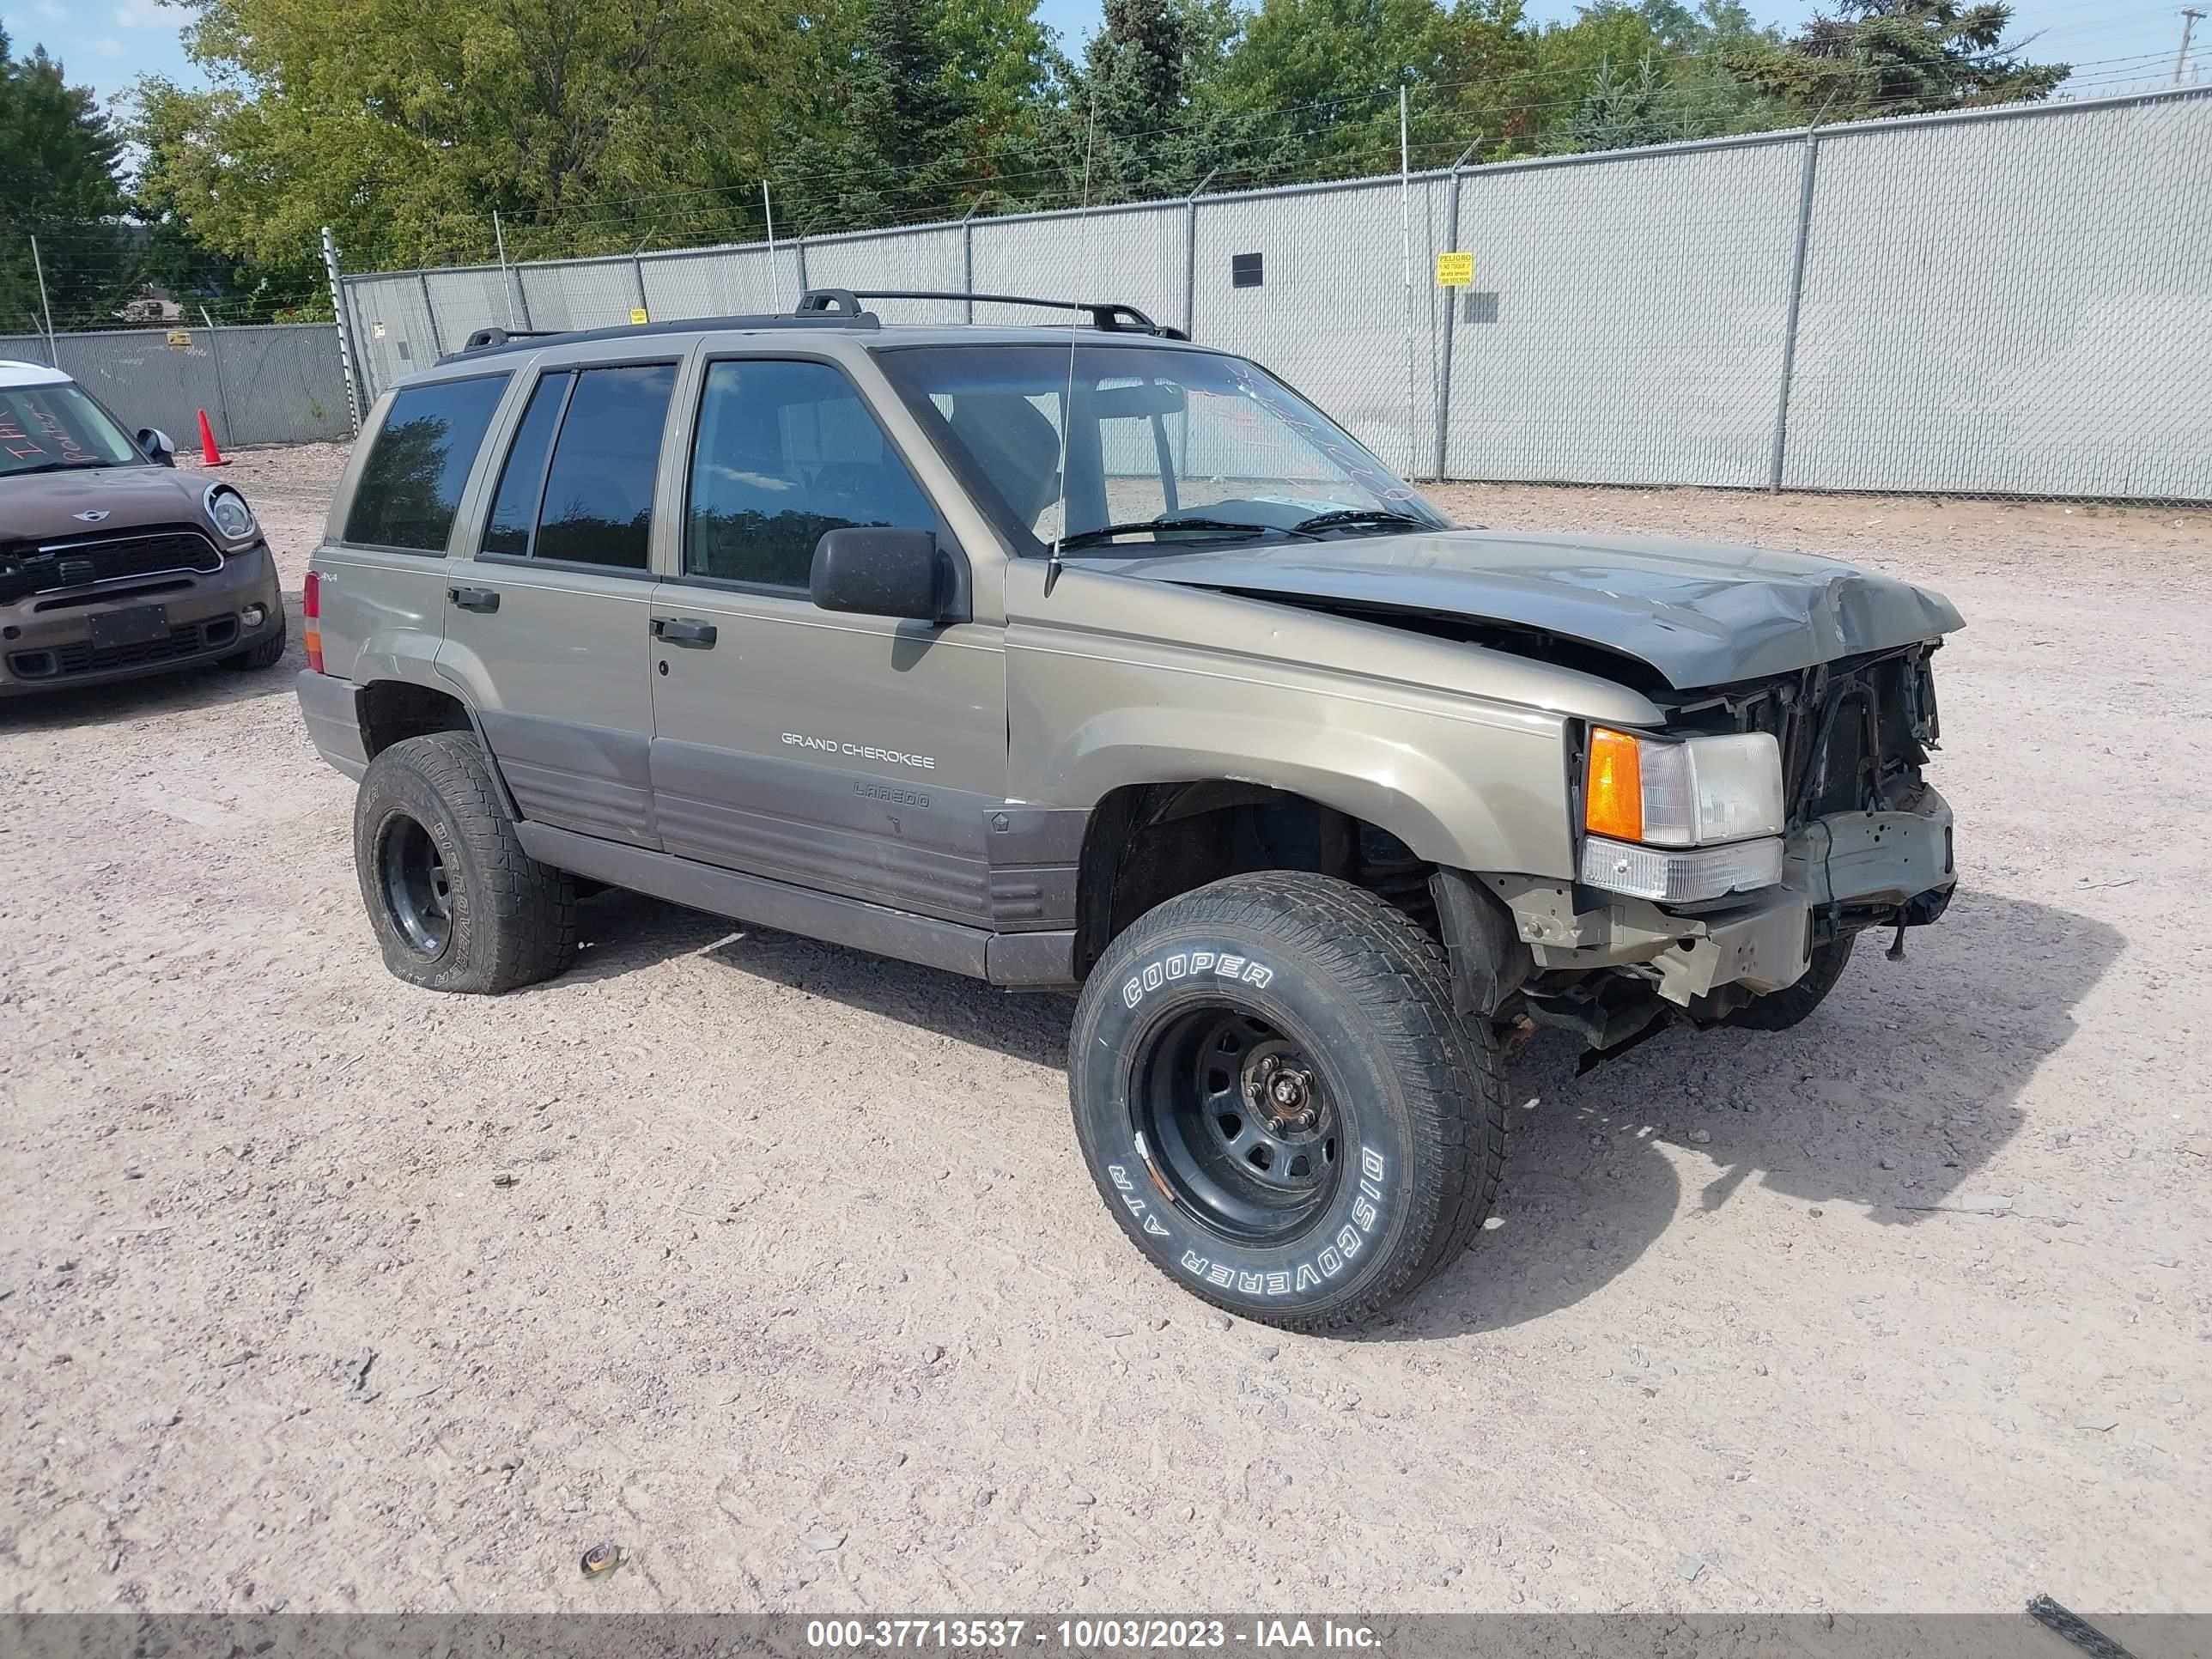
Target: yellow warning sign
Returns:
[[637, 314], [181, 337], [1455, 270]]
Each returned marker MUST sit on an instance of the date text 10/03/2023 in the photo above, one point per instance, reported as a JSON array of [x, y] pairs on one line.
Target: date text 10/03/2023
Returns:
[[1085, 1634]]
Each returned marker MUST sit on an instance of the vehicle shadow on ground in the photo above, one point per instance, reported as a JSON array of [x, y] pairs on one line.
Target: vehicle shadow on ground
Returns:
[[1885, 1103], [174, 691], [624, 930]]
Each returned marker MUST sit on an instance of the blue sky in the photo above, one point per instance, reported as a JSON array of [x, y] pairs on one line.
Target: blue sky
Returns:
[[109, 44]]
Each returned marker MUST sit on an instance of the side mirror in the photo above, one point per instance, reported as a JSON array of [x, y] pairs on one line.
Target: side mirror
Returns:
[[155, 442], [878, 572]]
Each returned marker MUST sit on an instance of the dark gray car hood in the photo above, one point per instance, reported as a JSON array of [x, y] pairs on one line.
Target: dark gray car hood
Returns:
[[1699, 613]]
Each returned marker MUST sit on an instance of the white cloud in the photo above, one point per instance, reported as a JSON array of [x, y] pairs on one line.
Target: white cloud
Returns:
[[144, 15]]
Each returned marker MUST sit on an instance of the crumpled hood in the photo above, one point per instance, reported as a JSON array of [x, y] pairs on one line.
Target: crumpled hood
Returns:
[[1699, 613]]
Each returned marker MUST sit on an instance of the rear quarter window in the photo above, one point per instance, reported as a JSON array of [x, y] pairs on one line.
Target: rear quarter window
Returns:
[[418, 463]]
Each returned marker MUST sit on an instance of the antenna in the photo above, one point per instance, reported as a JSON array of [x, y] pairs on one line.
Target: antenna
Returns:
[[1067, 401]]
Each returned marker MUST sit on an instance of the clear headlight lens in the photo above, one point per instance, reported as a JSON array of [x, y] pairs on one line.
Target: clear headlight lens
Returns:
[[228, 509], [1689, 792], [1679, 878]]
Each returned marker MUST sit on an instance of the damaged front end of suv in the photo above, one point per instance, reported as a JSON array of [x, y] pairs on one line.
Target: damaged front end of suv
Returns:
[[1728, 861], [1768, 805]]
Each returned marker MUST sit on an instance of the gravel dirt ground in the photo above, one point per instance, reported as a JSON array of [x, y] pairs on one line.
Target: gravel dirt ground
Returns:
[[774, 1263]]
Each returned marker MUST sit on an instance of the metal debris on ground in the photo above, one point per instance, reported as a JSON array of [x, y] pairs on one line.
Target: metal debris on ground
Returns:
[[601, 1560], [504, 1178], [360, 1372], [2075, 1629]]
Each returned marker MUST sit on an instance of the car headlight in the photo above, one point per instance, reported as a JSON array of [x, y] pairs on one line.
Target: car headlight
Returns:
[[228, 508], [1721, 793]]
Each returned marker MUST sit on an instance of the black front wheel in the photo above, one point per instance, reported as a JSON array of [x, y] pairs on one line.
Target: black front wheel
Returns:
[[1277, 1103]]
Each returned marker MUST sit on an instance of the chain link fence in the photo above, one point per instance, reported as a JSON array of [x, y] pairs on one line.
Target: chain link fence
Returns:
[[276, 383], [2011, 302]]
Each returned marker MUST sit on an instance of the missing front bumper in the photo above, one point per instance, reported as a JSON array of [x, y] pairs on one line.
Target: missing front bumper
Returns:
[[1841, 873]]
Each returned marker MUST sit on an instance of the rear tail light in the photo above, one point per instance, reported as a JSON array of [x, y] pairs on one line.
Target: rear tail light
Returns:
[[310, 612]]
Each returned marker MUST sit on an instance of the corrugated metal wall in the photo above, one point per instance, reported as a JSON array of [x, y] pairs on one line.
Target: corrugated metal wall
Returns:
[[2008, 302], [260, 384]]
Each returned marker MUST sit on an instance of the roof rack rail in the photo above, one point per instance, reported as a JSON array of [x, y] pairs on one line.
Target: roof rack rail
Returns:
[[485, 338], [484, 341], [1111, 316]]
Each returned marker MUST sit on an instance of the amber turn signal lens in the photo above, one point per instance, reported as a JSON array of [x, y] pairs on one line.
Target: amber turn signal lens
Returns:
[[1613, 795]]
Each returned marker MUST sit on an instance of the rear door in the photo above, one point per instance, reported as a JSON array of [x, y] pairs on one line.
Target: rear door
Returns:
[[549, 624], [854, 754], [383, 572]]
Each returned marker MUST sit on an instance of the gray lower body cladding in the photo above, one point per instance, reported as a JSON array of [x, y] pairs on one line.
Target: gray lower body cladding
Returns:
[[1015, 960]]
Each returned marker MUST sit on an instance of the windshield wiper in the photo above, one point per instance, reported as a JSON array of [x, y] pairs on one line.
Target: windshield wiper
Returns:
[[1108, 532], [52, 466], [1345, 517]]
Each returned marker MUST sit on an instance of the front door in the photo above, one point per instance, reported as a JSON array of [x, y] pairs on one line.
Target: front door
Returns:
[[853, 755], [549, 624]]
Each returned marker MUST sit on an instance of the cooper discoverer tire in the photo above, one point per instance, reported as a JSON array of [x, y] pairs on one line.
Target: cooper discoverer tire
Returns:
[[456, 902], [1778, 1011], [1278, 1104]]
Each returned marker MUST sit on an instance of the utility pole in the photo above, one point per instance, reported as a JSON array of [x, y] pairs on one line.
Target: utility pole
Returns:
[[347, 355], [507, 286], [45, 309], [2190, 14], [1406, 248]]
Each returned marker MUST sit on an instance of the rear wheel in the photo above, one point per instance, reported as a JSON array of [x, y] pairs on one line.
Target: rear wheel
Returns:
[[1778, 1011], [456, 902], [1278, 1104]]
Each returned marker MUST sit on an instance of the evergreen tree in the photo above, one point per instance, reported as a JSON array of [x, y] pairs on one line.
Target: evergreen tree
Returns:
[[59, 186]]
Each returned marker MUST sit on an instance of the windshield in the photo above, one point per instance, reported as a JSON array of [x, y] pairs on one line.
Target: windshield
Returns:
[[46, 428], [1166, 450]]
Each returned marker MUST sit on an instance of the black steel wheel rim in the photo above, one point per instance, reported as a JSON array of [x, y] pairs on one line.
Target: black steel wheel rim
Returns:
[[418, 890], [1239, 1123]]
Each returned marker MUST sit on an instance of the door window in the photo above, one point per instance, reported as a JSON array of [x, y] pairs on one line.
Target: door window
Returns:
[[411, 482], [597, 506], [787, 451], [514, 509]]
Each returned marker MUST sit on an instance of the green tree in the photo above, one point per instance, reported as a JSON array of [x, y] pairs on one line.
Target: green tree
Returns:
[[1146, 117], [594, 124], [60, 185], [925, 106], [1900, 58]]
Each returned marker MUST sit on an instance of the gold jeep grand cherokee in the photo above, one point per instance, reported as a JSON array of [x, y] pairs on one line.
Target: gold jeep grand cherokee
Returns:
[[112, 563], [1086, 657]]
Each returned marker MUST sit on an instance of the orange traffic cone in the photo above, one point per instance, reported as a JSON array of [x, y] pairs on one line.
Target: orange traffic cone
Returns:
[[210, 455]]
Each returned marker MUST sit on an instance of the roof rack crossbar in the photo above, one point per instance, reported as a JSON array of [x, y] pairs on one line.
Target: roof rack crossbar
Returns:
[[1112, 316]]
